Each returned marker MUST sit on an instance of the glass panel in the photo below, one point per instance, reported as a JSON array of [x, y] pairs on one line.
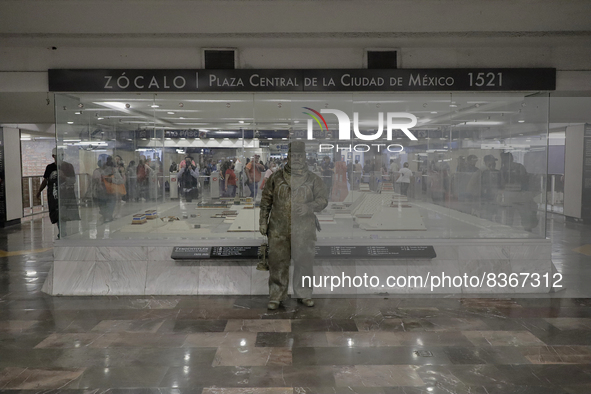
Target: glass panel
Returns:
[[500, 147], [408, 178], [130, 152], [133, 149], [207, 135]]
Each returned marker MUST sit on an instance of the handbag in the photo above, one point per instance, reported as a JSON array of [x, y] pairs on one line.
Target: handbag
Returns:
[[113, 188]]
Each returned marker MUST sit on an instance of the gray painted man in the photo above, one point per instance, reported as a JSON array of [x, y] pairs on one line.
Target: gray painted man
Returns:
[[292, 192]]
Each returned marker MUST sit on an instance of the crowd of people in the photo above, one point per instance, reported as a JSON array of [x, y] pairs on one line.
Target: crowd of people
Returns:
[[236, 177]]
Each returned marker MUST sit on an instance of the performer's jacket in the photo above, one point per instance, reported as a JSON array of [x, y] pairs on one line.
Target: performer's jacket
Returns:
[[279, 198]]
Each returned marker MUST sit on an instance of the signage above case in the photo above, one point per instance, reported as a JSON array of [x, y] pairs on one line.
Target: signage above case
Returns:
[[306, 80]]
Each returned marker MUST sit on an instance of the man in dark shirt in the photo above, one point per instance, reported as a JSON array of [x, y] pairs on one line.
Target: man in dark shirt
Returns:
[[471, 164], [65, 187], [50, 180], [327, 170]]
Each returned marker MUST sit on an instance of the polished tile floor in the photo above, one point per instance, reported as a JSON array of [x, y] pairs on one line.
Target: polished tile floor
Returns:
[[233, 345]]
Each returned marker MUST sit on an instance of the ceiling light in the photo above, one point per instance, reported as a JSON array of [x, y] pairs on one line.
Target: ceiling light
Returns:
[[170, 113], [92, 143], [78, 112], [521, 121], [113, 104], [240, 121], [182, 117], [154, 106], [433, 112], [70, 122], [453, 105], [100, 118]]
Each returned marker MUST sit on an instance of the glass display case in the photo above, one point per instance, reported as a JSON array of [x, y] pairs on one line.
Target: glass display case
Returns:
[[397, 166]]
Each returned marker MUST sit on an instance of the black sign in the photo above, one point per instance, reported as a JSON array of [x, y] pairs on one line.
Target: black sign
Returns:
[[235, 252], [360, 252], [586, 197], [390, 252], [190, 252], [2, 177], [309, 80], [214, 252]]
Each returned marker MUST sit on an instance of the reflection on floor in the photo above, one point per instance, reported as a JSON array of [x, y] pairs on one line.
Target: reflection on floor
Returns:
[[229, 344]]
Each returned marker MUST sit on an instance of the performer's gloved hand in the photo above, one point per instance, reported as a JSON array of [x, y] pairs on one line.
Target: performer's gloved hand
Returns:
[[263, 229], [302, 210]]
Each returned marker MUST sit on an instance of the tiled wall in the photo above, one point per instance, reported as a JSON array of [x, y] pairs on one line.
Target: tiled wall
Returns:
[[36, 155]]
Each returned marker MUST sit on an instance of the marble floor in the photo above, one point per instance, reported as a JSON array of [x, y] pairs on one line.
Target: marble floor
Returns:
[[234, 345]]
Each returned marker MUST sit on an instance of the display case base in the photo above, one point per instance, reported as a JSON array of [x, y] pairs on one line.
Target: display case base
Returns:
[[94, 269]]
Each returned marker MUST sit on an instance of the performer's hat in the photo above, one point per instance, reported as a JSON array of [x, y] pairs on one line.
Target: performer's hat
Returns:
[[297, 146]]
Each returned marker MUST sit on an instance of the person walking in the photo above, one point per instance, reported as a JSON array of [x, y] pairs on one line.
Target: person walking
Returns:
[[50, 180], [188, 177], [230, 180], [253, 170], [327, 171], [404, 179]]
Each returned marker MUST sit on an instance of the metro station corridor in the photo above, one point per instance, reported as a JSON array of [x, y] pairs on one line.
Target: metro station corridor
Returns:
[[233, 344]]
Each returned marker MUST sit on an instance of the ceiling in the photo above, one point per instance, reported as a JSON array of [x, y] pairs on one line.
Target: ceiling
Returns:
[[284, 111]]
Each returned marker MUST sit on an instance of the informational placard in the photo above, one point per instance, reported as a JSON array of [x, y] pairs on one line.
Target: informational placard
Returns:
[[324, 252], [235, 252], [387, 251], [309, 80], [2, 178], [190, 252], [214, 252], [586, 197]]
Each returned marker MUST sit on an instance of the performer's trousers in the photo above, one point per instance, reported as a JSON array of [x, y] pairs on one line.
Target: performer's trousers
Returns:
[[282, 249]]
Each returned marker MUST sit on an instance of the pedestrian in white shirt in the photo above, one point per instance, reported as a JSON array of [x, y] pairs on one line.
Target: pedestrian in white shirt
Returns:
[[404, 178]]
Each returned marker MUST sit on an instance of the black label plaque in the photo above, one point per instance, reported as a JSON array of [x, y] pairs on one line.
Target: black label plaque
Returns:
[[388, 251], [235, 252], [324, 252], [191, 252], [586, 197], [214, 252]]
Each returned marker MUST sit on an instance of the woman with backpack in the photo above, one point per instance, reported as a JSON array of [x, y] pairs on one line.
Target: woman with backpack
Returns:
[[143, 173], [132, 194], [114, 188]]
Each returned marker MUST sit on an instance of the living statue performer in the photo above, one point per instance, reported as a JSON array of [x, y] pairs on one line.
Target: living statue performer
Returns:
[[291, 192]]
